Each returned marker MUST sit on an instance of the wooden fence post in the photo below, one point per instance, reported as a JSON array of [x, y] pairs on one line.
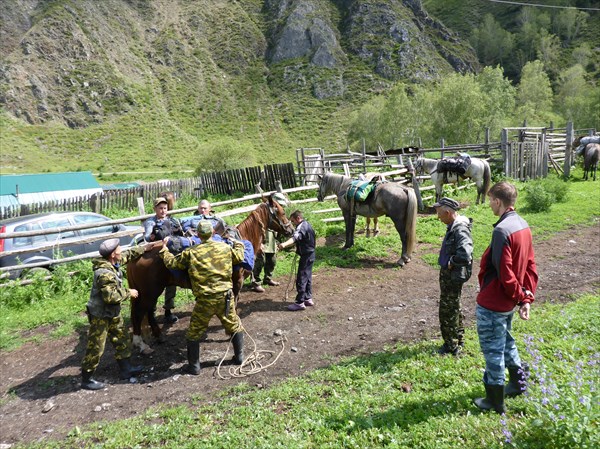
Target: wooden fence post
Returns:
[[568, 150], [505, 151]]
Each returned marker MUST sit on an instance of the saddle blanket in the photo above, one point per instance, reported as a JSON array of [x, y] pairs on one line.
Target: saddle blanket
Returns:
[[360, 190]]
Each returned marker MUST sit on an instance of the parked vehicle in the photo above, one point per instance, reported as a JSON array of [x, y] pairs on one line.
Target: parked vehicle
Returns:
[[64, 244]]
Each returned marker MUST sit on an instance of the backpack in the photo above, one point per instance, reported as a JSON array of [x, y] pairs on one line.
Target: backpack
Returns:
[[360, 190]]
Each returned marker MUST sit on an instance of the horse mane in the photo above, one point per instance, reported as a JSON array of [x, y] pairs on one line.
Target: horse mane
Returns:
[[170, 197], [254, 226]]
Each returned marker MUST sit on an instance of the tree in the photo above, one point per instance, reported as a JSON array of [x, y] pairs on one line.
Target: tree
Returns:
[[499, 96], [223, 154], [366, 123], [457, 109], [548, 50], [577, 99], [534, 93], [492, 42]]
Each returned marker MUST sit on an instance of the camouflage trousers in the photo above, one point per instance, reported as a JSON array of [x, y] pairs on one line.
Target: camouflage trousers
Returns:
[[266, 260], [206, 308], [118, 336], [450, 313]]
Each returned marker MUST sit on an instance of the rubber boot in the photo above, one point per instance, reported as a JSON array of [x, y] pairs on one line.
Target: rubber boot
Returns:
[[494, 399], [238, 348], [193, 354], [517, 380], [126, 371], [87, 383]]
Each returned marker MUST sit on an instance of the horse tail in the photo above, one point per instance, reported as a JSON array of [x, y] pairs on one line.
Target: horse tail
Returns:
[[487, 178], [410, 226]]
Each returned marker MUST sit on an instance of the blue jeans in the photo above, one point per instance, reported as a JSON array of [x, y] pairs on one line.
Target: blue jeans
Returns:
[[497, 344]]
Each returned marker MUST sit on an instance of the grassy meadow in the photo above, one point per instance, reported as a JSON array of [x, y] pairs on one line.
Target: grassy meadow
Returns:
[[403, 397]]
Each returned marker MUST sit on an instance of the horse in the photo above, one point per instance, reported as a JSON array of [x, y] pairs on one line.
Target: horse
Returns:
[[590, 160], [479, 171], [149, 276], [391, 199]]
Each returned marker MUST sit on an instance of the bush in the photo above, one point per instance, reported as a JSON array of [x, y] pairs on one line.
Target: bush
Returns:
[[556, 187], [224, 154], [542, 193], [537, 198]]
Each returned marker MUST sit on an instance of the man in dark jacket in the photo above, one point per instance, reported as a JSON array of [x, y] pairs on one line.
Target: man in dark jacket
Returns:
[[455, 259], [507, 278], [104, 313], [157, 228], [305, 241]]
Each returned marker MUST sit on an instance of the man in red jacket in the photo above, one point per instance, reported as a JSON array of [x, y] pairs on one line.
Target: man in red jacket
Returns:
[[507, 278]]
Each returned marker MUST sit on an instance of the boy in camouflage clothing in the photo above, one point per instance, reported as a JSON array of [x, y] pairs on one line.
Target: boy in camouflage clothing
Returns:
[[104, 313], [210, 266], [455, 260]]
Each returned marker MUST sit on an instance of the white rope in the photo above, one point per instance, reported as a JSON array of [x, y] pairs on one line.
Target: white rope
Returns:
[[254, 362], [292, 276]]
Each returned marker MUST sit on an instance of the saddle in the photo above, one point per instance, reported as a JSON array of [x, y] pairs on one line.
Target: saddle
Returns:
[[458, 165]]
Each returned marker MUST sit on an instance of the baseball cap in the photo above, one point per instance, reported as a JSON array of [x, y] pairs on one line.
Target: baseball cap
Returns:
[[449, 202], [205, 228], [159, 200], [108, 246]]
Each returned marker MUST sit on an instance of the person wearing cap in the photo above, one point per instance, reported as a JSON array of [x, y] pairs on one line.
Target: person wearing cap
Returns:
[[267, 258], [456, 261], [157, 228], [305, 241], [104, 313], [507, 279], [210, 267]]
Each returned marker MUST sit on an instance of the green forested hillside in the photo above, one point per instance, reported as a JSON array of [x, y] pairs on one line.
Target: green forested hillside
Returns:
[[162, 85]]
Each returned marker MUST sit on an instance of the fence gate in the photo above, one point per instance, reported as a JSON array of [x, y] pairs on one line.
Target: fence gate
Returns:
[[527, 160]]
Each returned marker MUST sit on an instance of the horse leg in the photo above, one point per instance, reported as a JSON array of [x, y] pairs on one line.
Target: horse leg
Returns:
[[137, 313], [154, 328], [375, 227], [367, 229], [350, 221]]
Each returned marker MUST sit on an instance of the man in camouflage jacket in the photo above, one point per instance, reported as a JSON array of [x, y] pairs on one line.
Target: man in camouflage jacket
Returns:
[[104, 313], [210, 266], [455, 260]]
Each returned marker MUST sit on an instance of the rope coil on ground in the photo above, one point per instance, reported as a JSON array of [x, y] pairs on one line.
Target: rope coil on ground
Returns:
[[254, 362]]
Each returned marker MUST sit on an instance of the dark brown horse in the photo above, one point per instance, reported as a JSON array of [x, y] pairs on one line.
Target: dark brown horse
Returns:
[[591, 154], [149, 275]]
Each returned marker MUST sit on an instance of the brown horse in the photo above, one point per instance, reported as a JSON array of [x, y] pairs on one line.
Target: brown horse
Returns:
[[149, 275]]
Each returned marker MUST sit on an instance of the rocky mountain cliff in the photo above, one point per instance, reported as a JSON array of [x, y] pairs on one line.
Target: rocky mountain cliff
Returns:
[[201, 69]]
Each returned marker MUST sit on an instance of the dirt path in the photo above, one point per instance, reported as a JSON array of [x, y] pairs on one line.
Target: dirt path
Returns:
[[357, 311]]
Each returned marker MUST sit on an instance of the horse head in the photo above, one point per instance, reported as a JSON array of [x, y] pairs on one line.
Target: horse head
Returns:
[[170, 197], [278, 221], [418, 164], [322, 193]]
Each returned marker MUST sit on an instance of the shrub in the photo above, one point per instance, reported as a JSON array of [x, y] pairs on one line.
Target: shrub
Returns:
[[224, 154], [556, 187], [537, 198]]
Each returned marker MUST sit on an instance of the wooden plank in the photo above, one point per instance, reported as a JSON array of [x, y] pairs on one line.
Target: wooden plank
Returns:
[[325, 211], [331, 220]]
